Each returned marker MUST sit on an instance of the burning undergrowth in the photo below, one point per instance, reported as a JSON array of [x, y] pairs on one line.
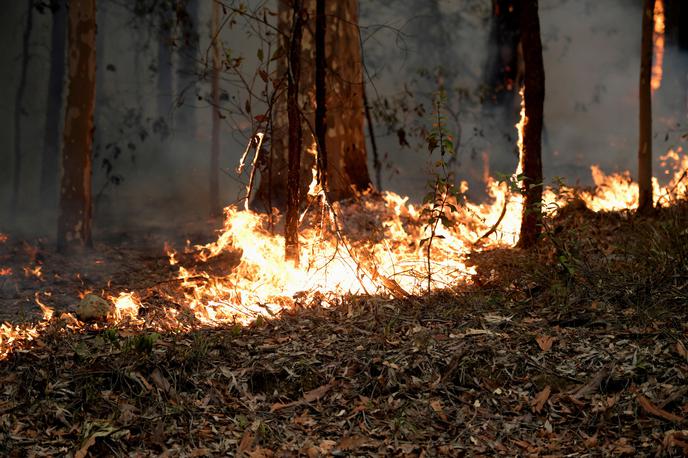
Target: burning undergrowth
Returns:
[[375, 245]]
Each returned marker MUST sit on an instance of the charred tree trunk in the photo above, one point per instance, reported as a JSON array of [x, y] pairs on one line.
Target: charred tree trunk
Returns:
[[347, 168], [645, 202], [51, 140], [19, 110], [74, 220], [291, 227], [188, 58], [213, 179], [534, 98], [321, 92]]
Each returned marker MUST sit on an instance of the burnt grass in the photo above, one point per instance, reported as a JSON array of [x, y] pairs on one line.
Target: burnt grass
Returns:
[[575, 348]]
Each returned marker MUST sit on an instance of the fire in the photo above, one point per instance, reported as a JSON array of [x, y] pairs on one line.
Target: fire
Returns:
[[5, 271], [127, 305], [3, 237], [617, 191], [33, 271], [658, 40]]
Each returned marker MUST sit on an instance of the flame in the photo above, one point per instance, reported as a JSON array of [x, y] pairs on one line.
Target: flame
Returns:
[[617, 191], [658, 39], [48, 312], [33, 272], [5, 271], [127, 305], [3, 237]]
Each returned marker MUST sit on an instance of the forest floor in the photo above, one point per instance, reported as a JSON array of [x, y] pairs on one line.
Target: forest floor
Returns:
[[578, 348]]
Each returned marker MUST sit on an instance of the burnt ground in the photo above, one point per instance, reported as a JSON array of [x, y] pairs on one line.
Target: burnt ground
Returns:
[[577, 348]]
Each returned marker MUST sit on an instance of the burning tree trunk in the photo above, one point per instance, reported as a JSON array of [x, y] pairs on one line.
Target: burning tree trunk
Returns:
[[347, 167], [74, 221], [534, 97], [18, 110], [645, 132], [51, 139], [291, 228], [214, 191]]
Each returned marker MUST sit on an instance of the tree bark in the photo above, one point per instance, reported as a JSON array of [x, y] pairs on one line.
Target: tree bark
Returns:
[[19, 111], [214, 170], [534, 98], [645, 202], [291, 227], [321, 91], [51, 139], [347, 167], [75, 208]]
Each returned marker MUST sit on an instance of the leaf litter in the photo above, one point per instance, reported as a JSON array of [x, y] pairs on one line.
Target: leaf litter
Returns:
[[536, 358]]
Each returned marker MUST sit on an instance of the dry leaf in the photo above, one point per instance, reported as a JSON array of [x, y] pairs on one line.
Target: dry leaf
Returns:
[[308, 397], [439, 409], [544, 342], [246, 443], [656, 411], [539, 400], [681, 349], [352, 442]]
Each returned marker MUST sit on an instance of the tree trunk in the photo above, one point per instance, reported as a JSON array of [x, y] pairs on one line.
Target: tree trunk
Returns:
[[534, 98], [347, 167], [19, 111], [213, 179], [645, 202], [51, 138], [291, 227], [188, 58], [321, 91], [74, 220]]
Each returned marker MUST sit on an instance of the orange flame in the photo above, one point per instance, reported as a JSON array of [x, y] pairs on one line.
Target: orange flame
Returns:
[[658, 39]]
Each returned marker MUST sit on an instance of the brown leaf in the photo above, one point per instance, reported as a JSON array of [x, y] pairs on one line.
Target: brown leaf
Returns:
[[317, 393], [539, 400], [246, 442], [681, 349], [308, 397], [83, 451], [439, 409], [544, 342], [656, 411], [352, 442]]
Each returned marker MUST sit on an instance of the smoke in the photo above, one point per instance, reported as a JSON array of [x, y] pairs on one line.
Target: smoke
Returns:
[[412, 47]]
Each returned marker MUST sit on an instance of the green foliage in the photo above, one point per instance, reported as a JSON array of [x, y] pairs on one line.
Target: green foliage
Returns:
[[443, 196]]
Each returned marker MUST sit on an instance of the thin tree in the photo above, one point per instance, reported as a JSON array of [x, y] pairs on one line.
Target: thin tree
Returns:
[[51, 138], [214, 192], [19, 110], [534, 98], [291, 227], [75, 207], [321, 91], [645, 202]]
